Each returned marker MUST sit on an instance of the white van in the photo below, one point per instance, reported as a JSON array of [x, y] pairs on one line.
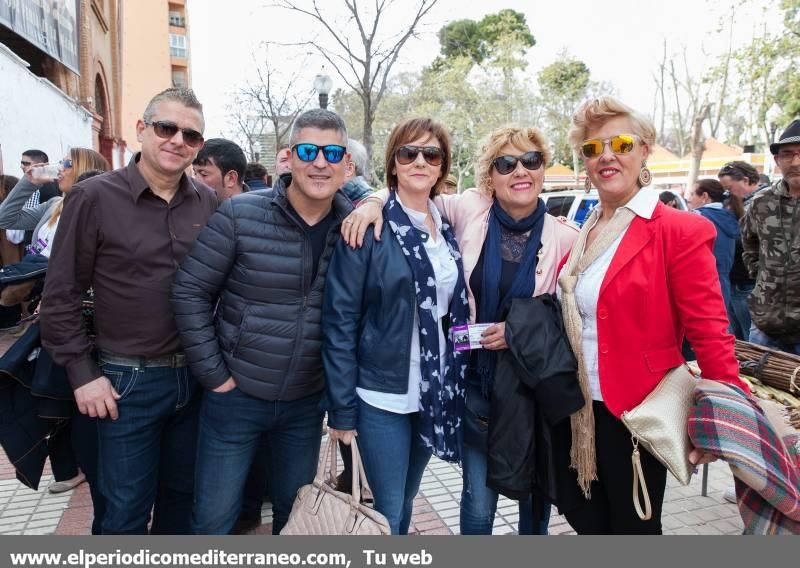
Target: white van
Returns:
[[576, 204]]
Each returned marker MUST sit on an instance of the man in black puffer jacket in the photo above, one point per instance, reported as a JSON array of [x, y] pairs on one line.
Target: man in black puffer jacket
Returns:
[[248, 301]]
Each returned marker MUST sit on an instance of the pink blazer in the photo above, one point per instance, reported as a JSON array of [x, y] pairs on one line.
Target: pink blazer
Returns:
[[468, 214]]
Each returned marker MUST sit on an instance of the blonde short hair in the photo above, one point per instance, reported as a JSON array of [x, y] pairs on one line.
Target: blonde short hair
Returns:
[[597, 111], [491, 146]]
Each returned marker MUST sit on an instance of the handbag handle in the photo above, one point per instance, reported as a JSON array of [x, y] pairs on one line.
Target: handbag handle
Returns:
[[360, 485], [638, 477]]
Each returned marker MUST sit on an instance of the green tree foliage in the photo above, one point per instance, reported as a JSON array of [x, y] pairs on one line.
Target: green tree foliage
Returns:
[[497, 37], [462, 38], [563, 85]]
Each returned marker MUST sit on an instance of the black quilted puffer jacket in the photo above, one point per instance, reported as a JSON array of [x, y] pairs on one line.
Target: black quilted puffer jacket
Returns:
[[244, 302]]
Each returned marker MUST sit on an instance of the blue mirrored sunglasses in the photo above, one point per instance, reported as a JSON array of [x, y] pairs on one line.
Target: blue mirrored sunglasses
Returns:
[[308, 152]]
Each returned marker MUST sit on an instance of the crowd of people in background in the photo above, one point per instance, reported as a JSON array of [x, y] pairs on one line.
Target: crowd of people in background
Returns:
[[203, 326]]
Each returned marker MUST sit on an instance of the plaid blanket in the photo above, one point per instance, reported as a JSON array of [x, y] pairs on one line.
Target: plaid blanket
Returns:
[[762, 450]]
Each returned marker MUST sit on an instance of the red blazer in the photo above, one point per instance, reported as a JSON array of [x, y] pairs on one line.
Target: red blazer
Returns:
[[661, 285]]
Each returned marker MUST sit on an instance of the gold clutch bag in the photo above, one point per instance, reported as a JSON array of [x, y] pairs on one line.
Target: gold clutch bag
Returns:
[[659, 423]]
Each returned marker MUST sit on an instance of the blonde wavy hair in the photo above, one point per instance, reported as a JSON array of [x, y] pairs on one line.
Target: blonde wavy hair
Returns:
[[490, 149], [595, 112], [83, 160]]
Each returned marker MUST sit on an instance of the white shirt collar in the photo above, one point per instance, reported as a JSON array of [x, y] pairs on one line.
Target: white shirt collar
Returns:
[[418, 218], [643, 203], [715, 205]]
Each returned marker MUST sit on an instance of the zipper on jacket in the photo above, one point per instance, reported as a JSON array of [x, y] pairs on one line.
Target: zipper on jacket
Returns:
[[298, 336]]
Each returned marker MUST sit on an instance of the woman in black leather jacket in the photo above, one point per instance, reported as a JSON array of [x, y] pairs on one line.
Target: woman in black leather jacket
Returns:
[[392, 376]]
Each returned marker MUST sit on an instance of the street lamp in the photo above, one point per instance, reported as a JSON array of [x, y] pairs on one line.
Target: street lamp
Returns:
[[773, 116], [323, 85]]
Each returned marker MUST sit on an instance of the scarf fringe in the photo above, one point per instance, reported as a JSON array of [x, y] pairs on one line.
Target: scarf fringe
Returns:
[[583, 452]]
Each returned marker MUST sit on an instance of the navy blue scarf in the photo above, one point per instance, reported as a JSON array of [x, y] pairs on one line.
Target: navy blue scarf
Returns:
[[492, 308], [441, 396]]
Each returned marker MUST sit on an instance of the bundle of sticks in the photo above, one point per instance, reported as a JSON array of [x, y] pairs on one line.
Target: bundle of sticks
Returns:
[[773, 368], [772, 375]]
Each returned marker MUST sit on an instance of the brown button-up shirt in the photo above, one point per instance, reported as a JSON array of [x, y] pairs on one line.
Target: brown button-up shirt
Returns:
[[117, 237]]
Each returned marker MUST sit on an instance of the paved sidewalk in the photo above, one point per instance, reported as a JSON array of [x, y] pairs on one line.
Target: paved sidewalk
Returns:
[[23, 511]]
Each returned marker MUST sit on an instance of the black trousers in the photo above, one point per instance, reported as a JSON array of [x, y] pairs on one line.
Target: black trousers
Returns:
[[610, 510], [62, 456]]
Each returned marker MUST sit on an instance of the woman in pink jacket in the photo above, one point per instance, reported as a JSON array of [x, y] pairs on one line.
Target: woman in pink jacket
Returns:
[[510, 248]]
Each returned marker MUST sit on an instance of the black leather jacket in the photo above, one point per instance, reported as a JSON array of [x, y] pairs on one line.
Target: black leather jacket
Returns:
[[535, 390], [367, 322]]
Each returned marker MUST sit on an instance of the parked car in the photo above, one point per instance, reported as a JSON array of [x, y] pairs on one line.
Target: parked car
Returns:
[[576, 204]]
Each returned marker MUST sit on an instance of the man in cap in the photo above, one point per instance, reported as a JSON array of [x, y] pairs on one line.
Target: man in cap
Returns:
[[771, 241]]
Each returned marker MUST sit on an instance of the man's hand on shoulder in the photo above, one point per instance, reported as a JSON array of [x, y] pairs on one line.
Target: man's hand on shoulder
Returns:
[[98, 399]]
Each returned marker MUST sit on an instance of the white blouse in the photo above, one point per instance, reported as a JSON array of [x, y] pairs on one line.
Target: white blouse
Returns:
[[587, 289], [445, 270]]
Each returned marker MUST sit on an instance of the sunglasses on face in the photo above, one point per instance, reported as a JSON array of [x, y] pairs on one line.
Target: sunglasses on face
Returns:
[[620, 144], [504, 165], [65, 164], [333, 153], [165, 129], [408, 154]]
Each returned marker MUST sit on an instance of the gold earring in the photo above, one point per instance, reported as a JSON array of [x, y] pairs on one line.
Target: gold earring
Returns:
[[645, 176]]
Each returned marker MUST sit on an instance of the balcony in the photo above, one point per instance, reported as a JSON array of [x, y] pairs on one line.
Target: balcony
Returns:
[[177, 20]]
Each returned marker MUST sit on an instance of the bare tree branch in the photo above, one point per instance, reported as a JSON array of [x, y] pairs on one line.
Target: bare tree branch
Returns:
[[365, 67]]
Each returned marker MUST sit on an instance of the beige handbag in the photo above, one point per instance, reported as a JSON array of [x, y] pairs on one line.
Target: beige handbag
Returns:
[[321, 510], [659, 423]]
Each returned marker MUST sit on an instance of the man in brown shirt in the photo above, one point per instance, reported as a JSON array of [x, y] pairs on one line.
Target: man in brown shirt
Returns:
[[124, 234]]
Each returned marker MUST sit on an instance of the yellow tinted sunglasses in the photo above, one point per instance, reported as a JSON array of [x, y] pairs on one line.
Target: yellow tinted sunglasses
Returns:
[[620, 144]]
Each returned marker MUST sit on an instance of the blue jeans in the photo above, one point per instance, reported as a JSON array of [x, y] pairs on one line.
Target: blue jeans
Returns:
[[739, 310], [759, 337], [479, 502], [146, 456], [394, 459], [231, 428], [257, 485]]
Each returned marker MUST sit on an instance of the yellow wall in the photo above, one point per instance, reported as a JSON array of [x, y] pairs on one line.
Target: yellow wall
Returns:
[[146, 62]]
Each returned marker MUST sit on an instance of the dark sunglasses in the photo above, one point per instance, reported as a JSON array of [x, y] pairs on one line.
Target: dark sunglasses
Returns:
[[504, 165], [167, 130], [309, 152], [65, 164], [408, 154]]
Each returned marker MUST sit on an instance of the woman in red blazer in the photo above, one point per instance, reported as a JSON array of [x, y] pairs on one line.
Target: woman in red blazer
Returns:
[[641, 278]]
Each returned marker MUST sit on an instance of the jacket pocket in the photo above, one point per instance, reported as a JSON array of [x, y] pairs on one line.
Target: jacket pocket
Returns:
[[665, 359], [240, 329]]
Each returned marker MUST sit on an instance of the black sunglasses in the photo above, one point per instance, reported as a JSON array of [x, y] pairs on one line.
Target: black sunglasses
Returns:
[[308, 152], [407, 154], [507, 164], [165, 129]]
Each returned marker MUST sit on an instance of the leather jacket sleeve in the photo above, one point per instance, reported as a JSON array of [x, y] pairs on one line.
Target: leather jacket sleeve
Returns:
[[342, 311]]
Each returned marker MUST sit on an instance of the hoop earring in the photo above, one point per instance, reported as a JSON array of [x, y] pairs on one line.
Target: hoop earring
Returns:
[[645, 176], [587, 184]]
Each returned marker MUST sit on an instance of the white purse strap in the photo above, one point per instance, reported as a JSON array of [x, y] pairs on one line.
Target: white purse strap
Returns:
[[645, 513]]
